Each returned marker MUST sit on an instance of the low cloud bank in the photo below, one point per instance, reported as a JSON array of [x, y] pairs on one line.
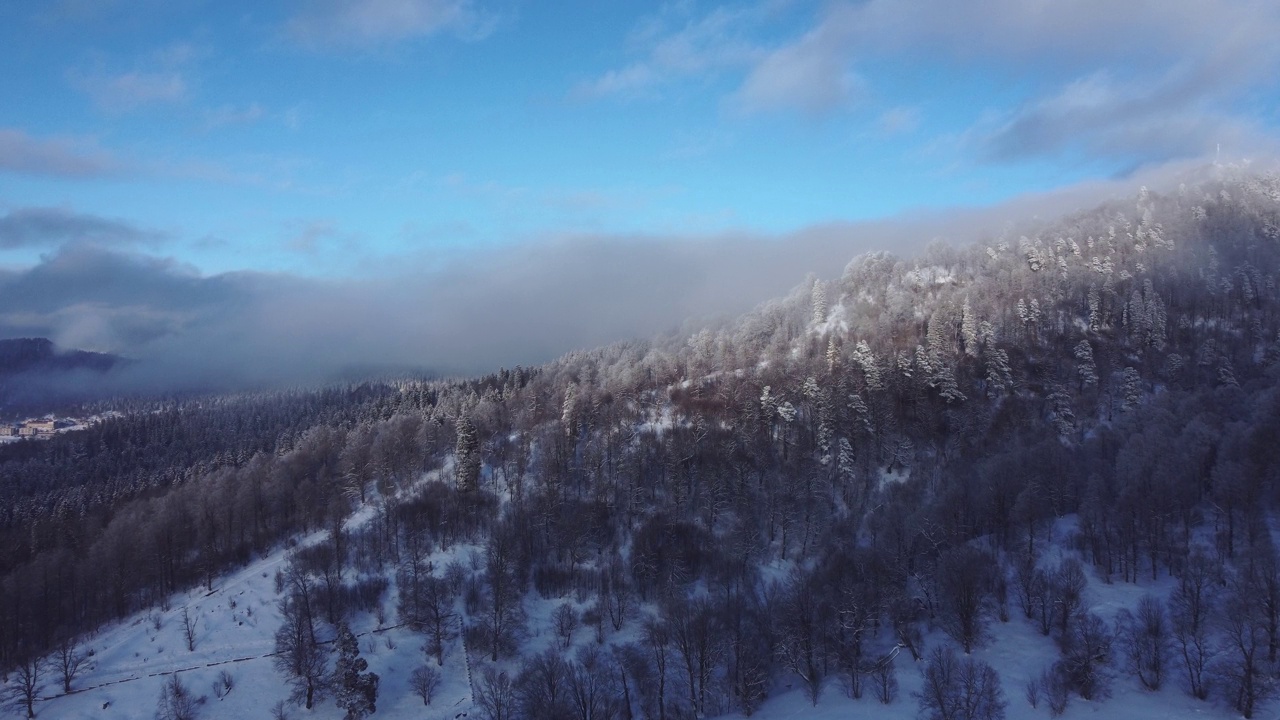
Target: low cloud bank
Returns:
[[518, 304]]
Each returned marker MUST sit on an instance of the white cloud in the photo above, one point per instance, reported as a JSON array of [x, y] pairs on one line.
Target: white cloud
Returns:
[[1070, 35], [159, 78], [371, 23], [631, 80], [813, 76], [128, 91], [1183, 113], [677, 46], [1146, 79], [1140, 81], [475, 310]]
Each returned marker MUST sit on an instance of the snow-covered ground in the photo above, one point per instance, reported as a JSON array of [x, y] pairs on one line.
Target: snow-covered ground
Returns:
[[236, 623], [1018, 652], [235, 628]]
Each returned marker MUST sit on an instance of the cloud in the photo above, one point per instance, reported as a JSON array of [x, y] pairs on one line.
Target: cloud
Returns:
[[95, 298], [1141, 81], [467, 311], [96, 327], [1134, 121], [38, 227], [678, 46], [1072, 36], [463, 312], [53, 157], [373, 23], [812, 76], [631, 80], [95, 276], [132, 90], [159, 78]]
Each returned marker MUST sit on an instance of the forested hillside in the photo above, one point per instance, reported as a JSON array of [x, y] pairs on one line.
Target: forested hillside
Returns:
[[799, 497]]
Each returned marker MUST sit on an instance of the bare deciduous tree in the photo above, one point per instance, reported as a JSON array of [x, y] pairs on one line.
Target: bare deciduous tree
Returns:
[[495, 695], [1190, 610], [965, 577], [298, 655], [1146, 637], [189, 627], [1244, 671], [177, 702], [542, 686], [1086, 655], [70, 660], [566, 622], [27, 685], [439, 618], [1067, 590], [425, 680], [956, 688]]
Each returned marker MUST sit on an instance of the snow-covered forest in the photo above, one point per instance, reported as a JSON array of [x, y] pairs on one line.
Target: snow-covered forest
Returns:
[[1028, 477]]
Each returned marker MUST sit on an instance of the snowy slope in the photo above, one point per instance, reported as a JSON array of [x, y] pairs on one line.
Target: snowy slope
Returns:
[[1018, 652], [235, 631], [237, 621]]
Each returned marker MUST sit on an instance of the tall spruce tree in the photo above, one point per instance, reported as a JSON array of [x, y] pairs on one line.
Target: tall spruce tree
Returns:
[[467, 455], [355, 690]]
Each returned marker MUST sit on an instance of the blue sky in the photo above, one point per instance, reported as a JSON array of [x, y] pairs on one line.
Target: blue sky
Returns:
[[344, 141]]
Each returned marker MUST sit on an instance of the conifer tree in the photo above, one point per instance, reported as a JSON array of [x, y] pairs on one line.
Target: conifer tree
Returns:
[[969, 329], [467, 455], [355, 690], [1087, 368], [819, 298]]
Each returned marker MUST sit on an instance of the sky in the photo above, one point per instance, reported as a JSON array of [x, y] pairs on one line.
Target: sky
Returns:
[[465, 184]]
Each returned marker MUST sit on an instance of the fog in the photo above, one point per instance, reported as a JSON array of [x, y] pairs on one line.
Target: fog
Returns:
[[516, 304], [521, 304]]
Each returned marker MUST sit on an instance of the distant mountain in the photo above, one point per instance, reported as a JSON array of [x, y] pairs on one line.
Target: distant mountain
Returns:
[[38, 376], [23, 355]]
